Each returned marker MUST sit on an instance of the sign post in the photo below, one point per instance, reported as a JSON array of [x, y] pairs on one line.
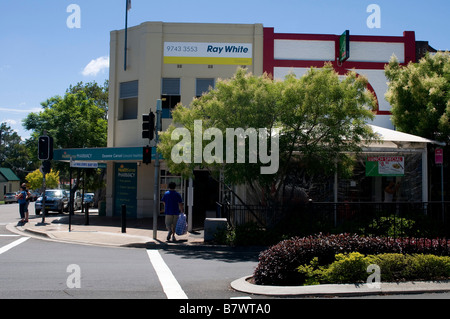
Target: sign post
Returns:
[[439, 160], [156, 190], [45, 154]]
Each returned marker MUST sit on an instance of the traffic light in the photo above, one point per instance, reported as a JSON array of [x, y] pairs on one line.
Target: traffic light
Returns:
[[148, 125], [46, 167], [45, 148], [147, 155]]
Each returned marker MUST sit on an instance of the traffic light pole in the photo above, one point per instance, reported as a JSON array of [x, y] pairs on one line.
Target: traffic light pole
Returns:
[[45, 154], [44, 186], [156, 189]]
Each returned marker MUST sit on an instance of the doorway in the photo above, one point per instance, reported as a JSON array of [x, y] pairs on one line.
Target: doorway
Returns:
[[206, 194]]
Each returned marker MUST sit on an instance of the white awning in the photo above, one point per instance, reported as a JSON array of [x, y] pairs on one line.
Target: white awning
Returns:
[[396, 139]]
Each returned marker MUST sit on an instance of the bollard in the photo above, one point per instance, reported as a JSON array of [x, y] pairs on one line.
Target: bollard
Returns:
[[124, 218], [86, 213]]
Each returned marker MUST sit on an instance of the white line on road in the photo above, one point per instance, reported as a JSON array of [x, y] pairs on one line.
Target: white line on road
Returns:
[[9, 235], [170, 285], [13, 244]]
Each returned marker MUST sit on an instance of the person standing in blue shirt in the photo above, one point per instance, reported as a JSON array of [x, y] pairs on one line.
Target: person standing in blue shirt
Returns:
[[22, 198], [173, 206]]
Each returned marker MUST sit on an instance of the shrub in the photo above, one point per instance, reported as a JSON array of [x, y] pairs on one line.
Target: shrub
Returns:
[[348, 268], [248, 234], [278, 264], [352, 268], [392, 266], [428, 267], [392, 226]]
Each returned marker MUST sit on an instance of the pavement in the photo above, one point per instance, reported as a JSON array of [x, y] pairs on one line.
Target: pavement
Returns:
[[107, 231], [103, 230]]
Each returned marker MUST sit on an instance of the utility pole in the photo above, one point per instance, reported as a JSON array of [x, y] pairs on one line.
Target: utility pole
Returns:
[[156, 189], [45, 154]]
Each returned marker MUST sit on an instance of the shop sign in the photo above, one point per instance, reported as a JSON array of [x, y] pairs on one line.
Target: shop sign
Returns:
[[439, 156], [385, 166], [208, 53], [125, 190], [344, 46], [101, 154]]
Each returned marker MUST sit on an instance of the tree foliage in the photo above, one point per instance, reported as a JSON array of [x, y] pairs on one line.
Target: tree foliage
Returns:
[[34, 179], [420, 96], [76, 120], [13, 152], [320, 116]]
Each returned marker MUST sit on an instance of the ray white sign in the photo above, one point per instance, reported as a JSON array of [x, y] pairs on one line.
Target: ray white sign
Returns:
[[208, 53]]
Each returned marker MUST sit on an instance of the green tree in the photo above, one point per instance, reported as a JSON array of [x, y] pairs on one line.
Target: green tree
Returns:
[[98, 94], [321, 118], [35, 178], [420, 96], [13, 152], [76, 120]]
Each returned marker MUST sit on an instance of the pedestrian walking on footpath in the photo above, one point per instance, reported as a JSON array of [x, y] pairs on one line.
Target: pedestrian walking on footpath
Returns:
[[173, 206]]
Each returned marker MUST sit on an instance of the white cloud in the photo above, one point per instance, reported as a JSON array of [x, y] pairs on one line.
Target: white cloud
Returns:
[[96, 66], [20, 110], [11, 122]]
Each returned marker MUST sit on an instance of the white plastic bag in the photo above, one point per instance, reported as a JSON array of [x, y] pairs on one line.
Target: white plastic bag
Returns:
[[181, 227]]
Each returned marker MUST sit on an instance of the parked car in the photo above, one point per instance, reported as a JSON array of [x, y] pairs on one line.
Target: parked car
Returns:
[[34, 196], [89, 199], [10, 198], [55, 200], [76, 200]]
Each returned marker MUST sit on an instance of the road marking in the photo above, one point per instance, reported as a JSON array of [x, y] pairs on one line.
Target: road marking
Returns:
[[13, 244], [170, 285], [9, 235]]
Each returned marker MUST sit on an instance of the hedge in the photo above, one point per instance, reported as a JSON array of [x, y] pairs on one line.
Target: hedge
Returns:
[[353, 268]]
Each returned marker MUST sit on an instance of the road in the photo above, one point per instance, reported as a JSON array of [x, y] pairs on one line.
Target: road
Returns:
[[40, 269], [36, 268]]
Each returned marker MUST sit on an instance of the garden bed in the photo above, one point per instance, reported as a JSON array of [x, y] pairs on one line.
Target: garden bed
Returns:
[[279, 265]]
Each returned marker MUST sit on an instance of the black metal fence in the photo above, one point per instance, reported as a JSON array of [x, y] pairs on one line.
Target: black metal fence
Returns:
[[398, 219]]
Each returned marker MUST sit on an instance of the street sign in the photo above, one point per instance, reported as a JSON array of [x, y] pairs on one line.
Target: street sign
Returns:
[[84, 164], [344, 46], [439, 156]]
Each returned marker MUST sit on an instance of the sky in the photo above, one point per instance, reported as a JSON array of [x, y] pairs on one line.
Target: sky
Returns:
[[48, 45]]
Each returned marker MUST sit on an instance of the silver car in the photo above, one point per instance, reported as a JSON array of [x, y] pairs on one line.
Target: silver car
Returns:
[[10, 198], [55, 200]]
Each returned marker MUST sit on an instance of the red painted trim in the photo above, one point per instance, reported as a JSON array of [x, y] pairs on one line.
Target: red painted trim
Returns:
[[377, 112], [370, 38], [305, 36], [333, 37], [269, 63], [346, 65], [410, 46], [268, 53]]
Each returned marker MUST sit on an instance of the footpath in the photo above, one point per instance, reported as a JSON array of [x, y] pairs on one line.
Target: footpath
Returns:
[[104, 230], [107, 231]]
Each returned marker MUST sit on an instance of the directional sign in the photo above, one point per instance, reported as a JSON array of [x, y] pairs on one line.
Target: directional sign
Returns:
[[84, 164]]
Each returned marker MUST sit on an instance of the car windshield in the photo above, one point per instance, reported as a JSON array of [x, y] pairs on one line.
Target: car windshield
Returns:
[[54, 193]]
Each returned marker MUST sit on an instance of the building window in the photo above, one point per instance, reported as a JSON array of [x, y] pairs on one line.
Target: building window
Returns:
[[170, 95], [203, 86], [128, 100]]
